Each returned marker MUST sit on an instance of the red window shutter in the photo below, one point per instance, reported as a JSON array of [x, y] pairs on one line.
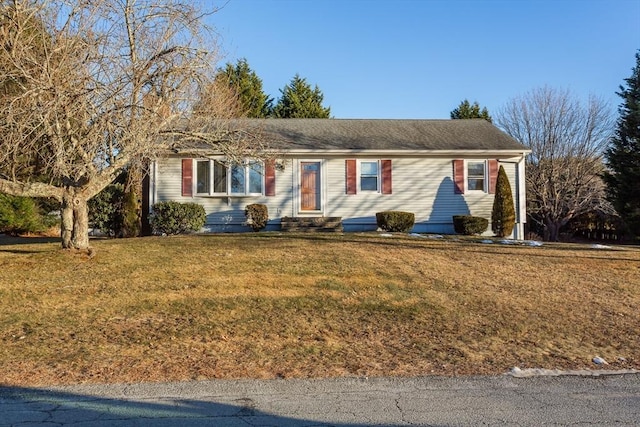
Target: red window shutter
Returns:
[[351, 176], [270, 178], [187, 177], [386, 176], [458, 176], [493, 175]]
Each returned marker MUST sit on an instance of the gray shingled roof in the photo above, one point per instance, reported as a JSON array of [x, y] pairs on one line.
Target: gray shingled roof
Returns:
[[383, 134]]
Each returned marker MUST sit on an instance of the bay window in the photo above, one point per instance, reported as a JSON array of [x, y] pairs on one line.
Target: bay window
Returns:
[[217, 178]]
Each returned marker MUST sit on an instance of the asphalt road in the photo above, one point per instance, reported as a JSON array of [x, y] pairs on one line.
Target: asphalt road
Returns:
[[611, 400]]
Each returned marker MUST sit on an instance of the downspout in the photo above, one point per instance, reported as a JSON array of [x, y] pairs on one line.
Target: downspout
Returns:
[[521, 197]]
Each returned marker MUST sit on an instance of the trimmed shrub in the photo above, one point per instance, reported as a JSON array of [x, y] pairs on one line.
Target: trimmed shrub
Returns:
[[469, 224], [177, 218], [19, 215], [503, 215], [257, 216], [396, 221], [105, 210]]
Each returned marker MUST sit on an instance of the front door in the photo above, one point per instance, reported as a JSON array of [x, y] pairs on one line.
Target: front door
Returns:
[[310, 186]]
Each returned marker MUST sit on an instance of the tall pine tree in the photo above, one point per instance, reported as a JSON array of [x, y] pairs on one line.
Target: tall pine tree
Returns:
[[247, 86], [623, 154], [300, 101], [466, 110]]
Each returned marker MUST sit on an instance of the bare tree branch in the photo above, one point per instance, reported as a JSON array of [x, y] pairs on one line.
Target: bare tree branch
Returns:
[[567, 140], [89, 87]]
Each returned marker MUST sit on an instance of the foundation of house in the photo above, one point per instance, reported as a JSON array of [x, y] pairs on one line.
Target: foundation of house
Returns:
[[312, 224]]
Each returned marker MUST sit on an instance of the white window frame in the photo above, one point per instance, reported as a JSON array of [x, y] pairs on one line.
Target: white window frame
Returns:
[[485, 177], [246, 164], [379, 176]]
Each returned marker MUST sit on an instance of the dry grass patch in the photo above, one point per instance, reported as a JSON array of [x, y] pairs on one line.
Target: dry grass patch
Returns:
[[267, 305]]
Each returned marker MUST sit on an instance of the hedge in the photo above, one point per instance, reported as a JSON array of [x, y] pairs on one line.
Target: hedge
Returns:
[[177, 218], [470, 225], [395, 221]]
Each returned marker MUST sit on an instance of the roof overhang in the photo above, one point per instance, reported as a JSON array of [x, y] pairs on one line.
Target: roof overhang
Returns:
[[368, 152]]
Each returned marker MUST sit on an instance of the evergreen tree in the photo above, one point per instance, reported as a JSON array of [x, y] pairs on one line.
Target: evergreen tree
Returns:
[[300, 101], [247, 86], [503, 215], [131, 209], [623, 154], [468, 111]]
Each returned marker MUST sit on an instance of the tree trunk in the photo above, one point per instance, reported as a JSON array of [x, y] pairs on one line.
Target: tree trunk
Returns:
[[80, 239], [66, 221], [75, 220], [132, 224], [552, 230]]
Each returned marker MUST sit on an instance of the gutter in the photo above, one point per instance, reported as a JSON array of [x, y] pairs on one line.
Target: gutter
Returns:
[[377, 152]]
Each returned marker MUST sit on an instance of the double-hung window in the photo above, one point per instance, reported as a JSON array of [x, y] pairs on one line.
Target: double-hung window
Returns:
[[203, 177], [217, 178], [476, 176], [369, 175]]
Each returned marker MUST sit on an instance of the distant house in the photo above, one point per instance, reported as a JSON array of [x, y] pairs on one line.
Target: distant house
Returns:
[[351, 169]]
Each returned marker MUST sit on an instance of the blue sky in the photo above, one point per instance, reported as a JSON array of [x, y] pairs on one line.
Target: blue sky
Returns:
[[421, 58]]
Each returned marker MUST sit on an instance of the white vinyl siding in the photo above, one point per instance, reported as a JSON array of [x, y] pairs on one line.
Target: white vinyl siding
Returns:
[[223, 213], [423, 186]]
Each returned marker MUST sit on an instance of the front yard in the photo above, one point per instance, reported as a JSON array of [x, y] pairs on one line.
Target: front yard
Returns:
[[272, 305]]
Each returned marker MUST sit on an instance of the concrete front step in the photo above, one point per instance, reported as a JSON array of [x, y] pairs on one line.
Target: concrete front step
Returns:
[[311, 224]]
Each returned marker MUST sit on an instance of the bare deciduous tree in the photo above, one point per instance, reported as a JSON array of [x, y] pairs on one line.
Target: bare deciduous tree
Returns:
[[89, 87], [566, 139]]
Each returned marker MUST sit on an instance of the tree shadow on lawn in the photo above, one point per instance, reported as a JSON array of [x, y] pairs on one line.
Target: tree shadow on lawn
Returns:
[[586, 253], [9, 244], [7, 240], [462, 244], [33, 406]]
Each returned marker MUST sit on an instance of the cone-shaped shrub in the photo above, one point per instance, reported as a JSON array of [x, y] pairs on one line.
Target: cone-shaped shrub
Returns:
[[131, 225], [503, 216]]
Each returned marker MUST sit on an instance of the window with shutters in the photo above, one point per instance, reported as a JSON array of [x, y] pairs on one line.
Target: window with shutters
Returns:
[[369, 176], [476, 176], [214, 177]]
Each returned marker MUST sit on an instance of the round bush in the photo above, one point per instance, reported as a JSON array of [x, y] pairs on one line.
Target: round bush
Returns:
[[396, 221], [257, 216], [470, 225], [177, 218]]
